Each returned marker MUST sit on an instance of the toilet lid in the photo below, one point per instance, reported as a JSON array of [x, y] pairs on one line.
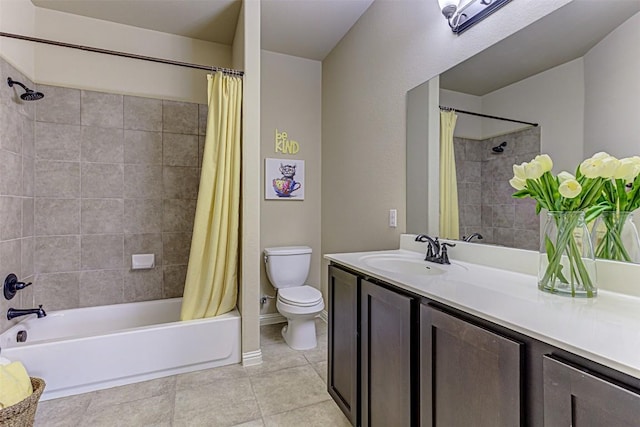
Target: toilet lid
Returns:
[[302, 296]]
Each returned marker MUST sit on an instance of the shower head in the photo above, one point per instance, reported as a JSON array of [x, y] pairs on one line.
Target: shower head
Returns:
[[29, 95], [498, 149]]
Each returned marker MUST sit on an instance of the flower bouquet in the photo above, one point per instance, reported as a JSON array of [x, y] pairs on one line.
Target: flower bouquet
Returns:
[[567, 262], [614, 234]]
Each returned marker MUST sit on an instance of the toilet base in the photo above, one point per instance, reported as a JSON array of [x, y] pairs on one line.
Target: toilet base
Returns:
[[300, 334]]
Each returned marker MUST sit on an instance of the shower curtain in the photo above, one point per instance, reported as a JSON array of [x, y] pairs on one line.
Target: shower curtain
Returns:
[[211, 286], [449, 222]]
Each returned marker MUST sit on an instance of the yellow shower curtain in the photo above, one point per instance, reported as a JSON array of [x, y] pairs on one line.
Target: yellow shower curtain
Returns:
[[211, 286], [449, 223]]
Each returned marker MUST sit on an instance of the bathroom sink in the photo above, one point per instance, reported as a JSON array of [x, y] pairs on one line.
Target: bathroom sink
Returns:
[[403, 264]]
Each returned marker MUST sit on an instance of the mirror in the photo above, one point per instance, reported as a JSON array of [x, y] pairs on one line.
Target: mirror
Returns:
[[575, 72]]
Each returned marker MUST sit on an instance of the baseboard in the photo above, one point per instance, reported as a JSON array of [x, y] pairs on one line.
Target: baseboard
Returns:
[[324, 315], [252, 358], [272, 319]]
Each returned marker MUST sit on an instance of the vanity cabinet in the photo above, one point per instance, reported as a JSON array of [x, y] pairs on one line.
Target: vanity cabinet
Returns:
[[343, 343], [398, 359], [386, 360], [575, 396], [469, 376]]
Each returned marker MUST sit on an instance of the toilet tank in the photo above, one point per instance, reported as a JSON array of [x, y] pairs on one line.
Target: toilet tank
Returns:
[[287, 266]]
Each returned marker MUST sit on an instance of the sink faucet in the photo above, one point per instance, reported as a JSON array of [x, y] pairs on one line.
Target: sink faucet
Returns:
[[469, 238], [436, 250], [17, 312]]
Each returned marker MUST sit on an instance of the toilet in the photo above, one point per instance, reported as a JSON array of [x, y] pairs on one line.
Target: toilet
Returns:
[[287, 269]]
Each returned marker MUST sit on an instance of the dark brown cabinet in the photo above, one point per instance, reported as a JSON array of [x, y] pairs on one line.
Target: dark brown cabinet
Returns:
[[576, 397], [401, 359], [386, 368], [470, 376], [342, 375]]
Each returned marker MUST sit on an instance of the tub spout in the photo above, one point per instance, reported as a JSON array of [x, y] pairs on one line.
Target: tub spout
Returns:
[[17, 312]]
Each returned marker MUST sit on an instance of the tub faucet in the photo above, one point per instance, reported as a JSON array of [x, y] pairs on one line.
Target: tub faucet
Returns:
[[17, 312], [469, 238]]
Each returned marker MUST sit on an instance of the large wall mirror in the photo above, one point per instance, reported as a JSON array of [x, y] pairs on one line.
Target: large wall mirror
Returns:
[[575, 73]]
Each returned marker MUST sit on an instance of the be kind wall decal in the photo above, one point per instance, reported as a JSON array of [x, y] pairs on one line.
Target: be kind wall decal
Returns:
[[285, 145]]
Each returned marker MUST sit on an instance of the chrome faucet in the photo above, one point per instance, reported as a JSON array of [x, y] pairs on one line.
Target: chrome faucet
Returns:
[[436, 250], [17, 312], [469, 238]]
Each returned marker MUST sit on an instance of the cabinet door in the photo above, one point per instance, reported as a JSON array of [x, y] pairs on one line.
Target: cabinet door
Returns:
[[342, 375], [470, 376], [386, 356], [573, 397]]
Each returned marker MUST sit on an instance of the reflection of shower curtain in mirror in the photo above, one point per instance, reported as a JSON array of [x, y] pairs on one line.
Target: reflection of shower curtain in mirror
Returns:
[[211, 286], [449, 223]]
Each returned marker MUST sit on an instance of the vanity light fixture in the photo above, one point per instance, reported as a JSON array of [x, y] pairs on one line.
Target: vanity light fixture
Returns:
[[463, 16]]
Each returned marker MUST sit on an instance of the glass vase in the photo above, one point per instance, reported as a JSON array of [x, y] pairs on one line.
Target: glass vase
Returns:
[[567, 261], [615, 237]]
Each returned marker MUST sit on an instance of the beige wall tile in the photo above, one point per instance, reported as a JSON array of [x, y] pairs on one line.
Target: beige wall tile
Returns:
[[57, 179], [142, 181], [175, 248], [59, 105], [54, 217], [203, 112], [10, 130], [27, 267], [142, 216], [180, 182], [101, 109], [57, 141], [102, 216], [10, 217], [27, 217], [102, 180], [180, 117], [11, 178], [102, 287], [57, 253], [10, 258], [102, 145], [28, 176], [179, 150], [173, 280], [142, 113], [178, 215], [142, 147], [143, 285], [102, 251], [58, 291], [28, 137]]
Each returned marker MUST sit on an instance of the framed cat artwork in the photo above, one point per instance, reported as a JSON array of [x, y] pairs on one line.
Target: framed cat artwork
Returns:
[[284, 179]]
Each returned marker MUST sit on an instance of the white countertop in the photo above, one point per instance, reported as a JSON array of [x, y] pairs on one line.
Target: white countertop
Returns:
[[605, 329]]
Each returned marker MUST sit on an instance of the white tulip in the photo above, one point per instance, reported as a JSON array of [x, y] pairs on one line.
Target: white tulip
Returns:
[[545, 161], [564, 176], [599, 165], [518, 183], [570, 188], [627, 169], [533, 170], [518, 171]]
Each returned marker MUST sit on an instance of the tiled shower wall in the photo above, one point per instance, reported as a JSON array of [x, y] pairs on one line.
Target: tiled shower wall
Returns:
[[16, 188], [113, 175], [484, 193]]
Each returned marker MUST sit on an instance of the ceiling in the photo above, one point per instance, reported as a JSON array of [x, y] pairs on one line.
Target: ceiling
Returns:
[[305, 28], [566, 34]]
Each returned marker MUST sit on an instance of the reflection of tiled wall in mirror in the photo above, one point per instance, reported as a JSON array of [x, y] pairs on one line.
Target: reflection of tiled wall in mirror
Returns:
[[484, 193]]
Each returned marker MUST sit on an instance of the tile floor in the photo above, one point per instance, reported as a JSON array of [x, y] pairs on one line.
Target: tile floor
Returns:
[[288, 389]]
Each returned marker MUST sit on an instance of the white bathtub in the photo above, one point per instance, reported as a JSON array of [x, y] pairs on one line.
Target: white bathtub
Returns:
[[86, 349]]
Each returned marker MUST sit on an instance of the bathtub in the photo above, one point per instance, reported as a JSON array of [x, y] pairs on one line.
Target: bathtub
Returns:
[[86, 349]]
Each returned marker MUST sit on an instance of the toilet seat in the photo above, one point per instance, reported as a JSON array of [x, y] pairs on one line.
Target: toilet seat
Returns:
[[300, 296]]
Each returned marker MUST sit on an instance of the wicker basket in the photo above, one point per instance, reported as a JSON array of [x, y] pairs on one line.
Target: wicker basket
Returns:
[[23, 413]]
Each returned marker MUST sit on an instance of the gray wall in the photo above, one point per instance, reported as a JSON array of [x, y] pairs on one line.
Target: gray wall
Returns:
[[484, 193], [110, 176]]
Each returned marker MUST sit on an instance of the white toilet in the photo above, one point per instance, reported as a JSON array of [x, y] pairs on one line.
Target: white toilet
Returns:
[[288, 268]]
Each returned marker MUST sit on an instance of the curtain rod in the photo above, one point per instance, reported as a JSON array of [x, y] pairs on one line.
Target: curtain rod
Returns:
[[124, 54], [487, 116]]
